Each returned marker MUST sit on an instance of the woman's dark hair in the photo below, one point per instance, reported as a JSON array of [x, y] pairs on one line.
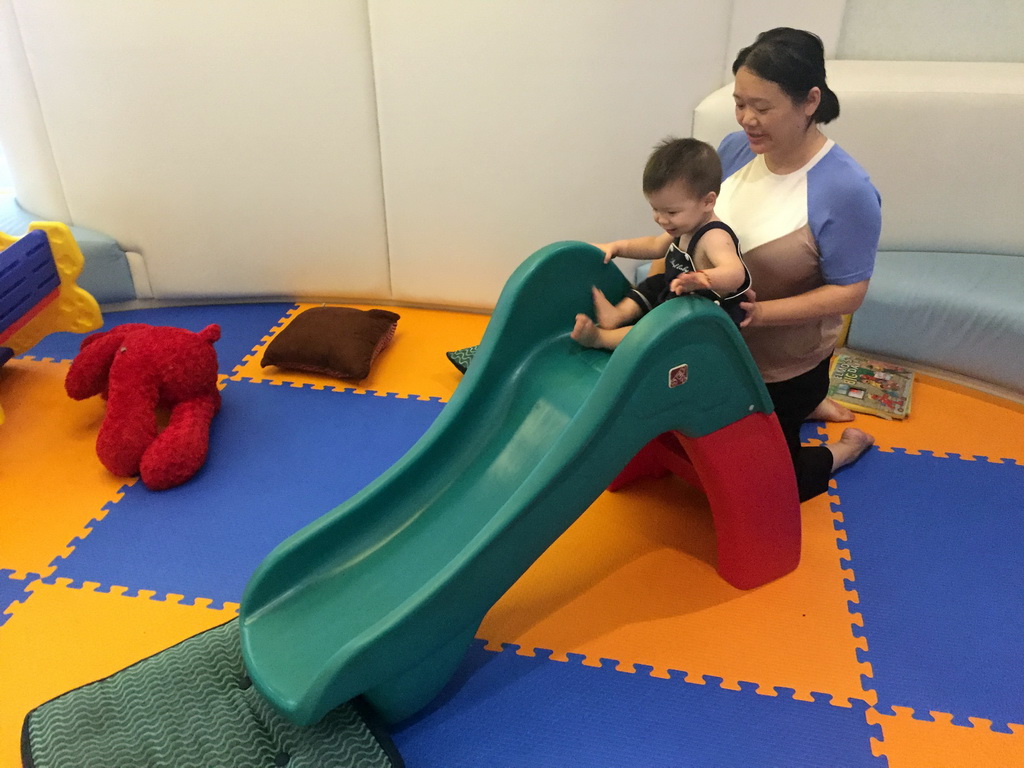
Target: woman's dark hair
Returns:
[[794, 60]]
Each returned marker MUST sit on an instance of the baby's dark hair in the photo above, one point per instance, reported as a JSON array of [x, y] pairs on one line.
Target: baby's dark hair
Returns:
[[690, 161], [793, 59]]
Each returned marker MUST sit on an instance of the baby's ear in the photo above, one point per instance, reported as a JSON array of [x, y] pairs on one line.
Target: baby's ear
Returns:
[[710, 199]]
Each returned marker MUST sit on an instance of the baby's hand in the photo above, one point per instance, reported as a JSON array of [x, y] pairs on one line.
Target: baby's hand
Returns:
[[609, 250], [688, 282]]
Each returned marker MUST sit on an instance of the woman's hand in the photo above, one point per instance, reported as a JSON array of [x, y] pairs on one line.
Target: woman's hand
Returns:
[[688, 282], [823, 301], [749, 306]]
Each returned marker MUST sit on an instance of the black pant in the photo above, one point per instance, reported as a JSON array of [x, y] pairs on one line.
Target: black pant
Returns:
[[794, 400]]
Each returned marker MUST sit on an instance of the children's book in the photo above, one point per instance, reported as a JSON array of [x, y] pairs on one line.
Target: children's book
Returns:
[[869, 386]]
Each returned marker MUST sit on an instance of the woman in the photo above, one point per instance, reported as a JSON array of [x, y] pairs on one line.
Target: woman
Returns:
[[809, 219]]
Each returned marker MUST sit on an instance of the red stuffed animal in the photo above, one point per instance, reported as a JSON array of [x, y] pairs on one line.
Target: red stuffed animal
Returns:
[[139, 368]]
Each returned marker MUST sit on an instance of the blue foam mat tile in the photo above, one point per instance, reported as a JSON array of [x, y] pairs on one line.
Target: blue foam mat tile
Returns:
[[935, 546], [243, 327], [813, 433], [12, 590], [279, 458], [507, 710]]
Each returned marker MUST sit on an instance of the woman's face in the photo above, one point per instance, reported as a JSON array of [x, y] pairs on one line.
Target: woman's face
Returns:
[[773, 122]]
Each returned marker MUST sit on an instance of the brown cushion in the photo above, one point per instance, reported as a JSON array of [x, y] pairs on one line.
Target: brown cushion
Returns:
[[339, 341]]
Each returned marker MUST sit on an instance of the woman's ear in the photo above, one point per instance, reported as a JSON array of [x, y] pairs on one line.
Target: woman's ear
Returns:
[[812, 102]]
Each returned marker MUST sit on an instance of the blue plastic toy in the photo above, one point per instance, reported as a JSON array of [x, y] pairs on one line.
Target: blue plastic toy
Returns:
[[38, 290]]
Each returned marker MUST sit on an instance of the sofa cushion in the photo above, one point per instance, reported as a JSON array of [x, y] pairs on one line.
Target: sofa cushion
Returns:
[[956, 311]]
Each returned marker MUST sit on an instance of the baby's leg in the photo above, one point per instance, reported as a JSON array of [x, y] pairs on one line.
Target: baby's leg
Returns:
[[595, 337], [611, 315]]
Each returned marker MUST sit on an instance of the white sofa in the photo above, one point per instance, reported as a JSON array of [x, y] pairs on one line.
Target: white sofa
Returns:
[[941, 141]]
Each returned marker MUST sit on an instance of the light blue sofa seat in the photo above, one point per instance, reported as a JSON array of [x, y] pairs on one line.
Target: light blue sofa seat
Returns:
[[959, 312]]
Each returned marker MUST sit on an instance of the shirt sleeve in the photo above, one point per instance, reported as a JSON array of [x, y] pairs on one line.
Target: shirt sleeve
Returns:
[[845, 216], [734, 152]]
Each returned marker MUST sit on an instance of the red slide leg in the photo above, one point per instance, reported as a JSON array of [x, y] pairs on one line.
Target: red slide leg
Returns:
[[746, 472], [748, 477]]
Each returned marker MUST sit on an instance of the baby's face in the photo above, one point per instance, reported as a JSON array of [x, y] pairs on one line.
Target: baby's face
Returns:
[[677, 210]]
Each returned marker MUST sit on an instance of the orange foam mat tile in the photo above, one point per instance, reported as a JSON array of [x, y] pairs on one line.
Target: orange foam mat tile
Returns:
[[949, 418], [413, 364], [52, 482], [916, 743], [61, 638], [634, 580]]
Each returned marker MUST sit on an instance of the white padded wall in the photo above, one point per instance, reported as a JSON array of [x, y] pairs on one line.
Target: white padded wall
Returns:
[[32, 166], [884, 123], [750, 17], [233, 144], [933, 30], [507, 126]]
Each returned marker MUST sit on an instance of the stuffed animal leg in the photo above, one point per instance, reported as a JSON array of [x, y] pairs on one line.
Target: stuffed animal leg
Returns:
[[129, 426], [179, 451]]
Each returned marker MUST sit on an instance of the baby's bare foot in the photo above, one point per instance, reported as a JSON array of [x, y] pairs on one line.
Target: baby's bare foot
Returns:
[[585, 332], [604, 311]]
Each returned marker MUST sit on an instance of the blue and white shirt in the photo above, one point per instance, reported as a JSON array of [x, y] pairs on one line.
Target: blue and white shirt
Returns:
[[818, 225]]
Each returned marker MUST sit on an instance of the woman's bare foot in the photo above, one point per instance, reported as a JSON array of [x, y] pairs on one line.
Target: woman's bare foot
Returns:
[[850, 447], [830, 410], [606, 313], [585, 332]]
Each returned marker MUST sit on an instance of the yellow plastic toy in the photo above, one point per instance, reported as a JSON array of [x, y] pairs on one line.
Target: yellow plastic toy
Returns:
[[39, 294]]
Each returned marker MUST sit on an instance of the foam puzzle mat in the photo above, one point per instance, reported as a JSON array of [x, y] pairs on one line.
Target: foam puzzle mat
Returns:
[[898, 640]]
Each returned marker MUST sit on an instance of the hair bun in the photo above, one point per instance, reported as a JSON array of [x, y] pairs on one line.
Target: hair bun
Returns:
[[828, 109]]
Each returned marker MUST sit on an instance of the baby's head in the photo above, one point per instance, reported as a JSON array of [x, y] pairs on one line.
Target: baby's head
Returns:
[[682, 179], [691, 162]]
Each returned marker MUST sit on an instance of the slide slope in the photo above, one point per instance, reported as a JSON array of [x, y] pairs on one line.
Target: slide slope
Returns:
[[381, 596]]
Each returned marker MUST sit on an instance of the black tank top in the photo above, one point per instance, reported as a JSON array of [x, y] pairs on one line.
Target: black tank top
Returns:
[[678, 261]]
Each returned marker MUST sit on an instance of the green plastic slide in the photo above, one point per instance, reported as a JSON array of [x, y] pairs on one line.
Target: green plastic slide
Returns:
[[382, 596]]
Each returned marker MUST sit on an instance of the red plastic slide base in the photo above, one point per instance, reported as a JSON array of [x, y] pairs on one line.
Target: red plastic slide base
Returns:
[[745, 471]]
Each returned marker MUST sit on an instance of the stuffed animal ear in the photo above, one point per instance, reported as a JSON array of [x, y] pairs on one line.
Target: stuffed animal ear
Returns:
[[210, 333], [89, 371]]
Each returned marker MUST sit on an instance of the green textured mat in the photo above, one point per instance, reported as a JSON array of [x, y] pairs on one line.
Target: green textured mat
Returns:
[[461, 358], [193, 705]]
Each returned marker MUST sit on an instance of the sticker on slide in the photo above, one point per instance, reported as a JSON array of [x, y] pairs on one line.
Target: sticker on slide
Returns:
[[677, 376]]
